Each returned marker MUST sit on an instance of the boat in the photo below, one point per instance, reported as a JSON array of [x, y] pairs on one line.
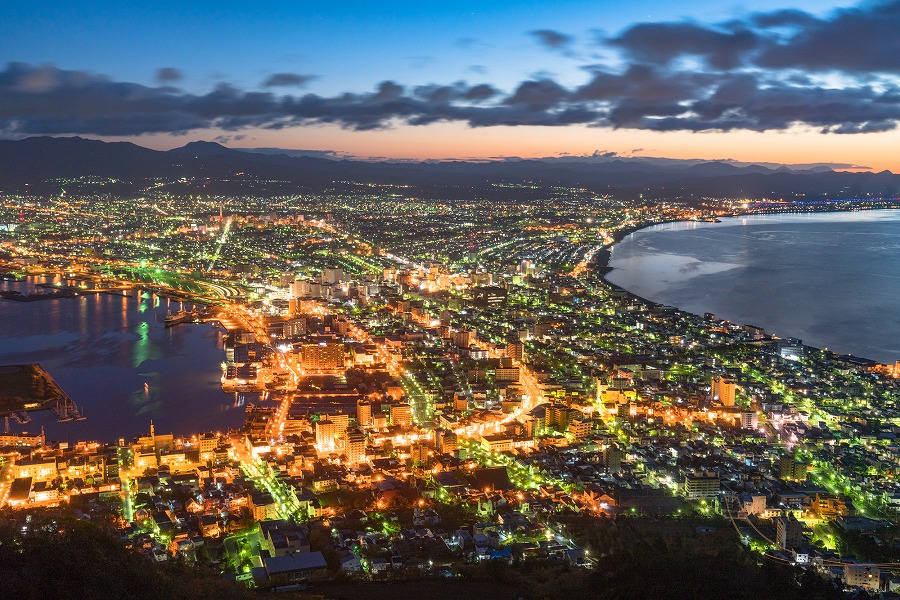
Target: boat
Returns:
[[66, 411], [182, 316], [21, 418]]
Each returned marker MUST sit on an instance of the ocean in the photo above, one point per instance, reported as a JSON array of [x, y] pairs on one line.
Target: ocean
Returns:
[[830, 279], [118, 362]]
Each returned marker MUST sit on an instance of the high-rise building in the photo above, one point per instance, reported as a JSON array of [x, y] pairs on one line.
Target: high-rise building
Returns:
[[401, 414], [341, 423], [300, 289], [355, 446], [488, 296], [723, 390], [749, 419], [449, 442], [503, 374], [612, 458], [324, 356], [363, 413], [702, 484], [294, 327], [791, 469], [789, 532], [445, 441], [579, 428], [419, 454], [867, 577], [341, 325], [325, 435], [460, 339], [515, 350], [332, 275]]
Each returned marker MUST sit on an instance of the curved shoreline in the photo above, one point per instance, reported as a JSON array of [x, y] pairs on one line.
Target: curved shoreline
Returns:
[[604, 269]]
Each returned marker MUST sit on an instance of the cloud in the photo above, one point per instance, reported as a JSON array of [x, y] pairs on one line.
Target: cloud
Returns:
[[226, 139], [554, 40], [859, 40], [537, 95], [168, 75], [333, 154], [661, 43], [287, 80], [724, 86]]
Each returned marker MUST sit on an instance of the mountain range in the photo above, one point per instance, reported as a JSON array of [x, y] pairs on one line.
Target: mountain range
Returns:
[[41, 164]]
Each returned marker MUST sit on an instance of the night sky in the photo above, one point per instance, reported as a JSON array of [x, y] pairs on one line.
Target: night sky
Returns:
[[804, 82]]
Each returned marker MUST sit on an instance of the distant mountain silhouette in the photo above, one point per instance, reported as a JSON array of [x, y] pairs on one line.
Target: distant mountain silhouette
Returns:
[[35, 162]]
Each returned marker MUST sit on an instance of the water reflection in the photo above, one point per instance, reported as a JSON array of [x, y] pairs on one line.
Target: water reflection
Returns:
[[118, 361], [828, 279]]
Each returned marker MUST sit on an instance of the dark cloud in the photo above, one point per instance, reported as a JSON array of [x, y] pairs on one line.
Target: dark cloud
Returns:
[[227, 139], [790, 17], [859, 41], [537, 95], [168, 75], [48, 100], [292, 152], [479, 93], [643, 83], [460, 91], [660, 43], [287, 80], [552, 39]]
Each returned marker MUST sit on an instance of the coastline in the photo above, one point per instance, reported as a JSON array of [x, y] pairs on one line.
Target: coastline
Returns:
[[169, 376], [603, 269]]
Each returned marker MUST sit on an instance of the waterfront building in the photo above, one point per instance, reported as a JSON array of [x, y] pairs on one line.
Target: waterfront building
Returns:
[[22, 439]]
